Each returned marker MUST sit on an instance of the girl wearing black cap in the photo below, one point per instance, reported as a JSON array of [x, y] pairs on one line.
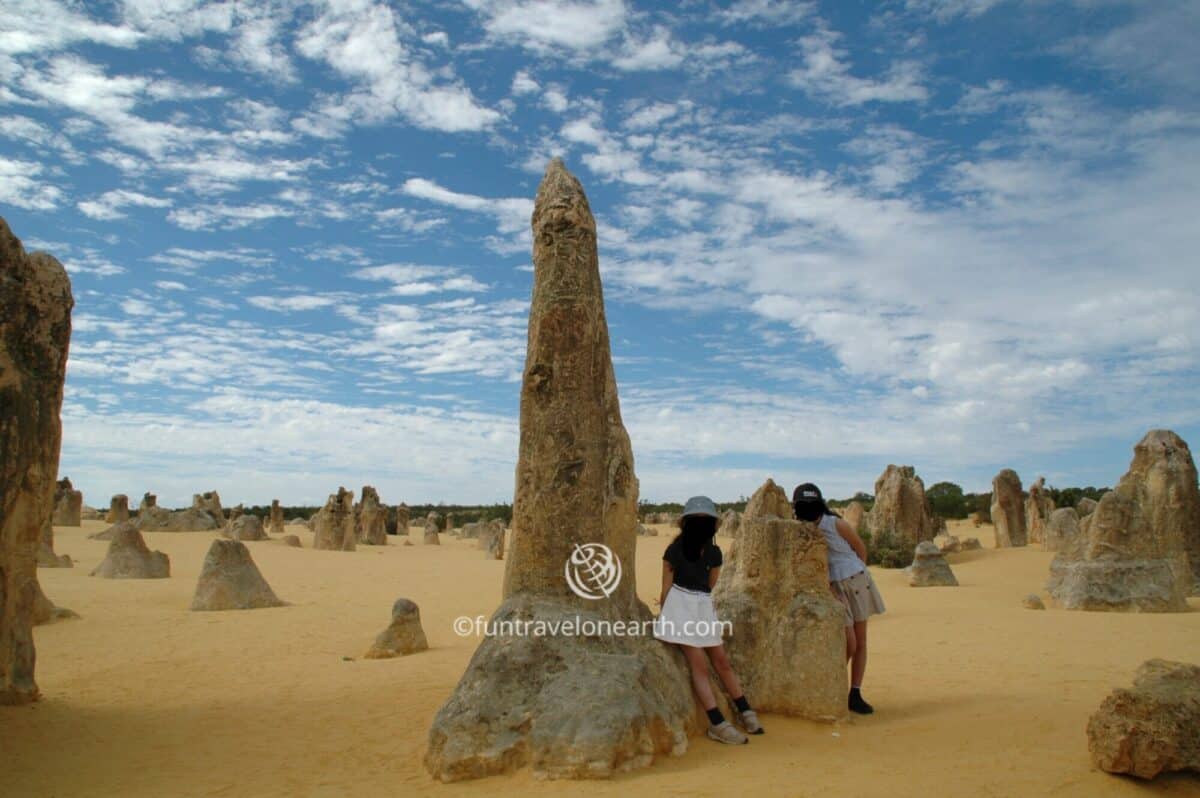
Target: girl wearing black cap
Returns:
[[691, 565], [849, 581]]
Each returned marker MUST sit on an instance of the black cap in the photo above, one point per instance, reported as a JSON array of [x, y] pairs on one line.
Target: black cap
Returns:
[[806, 493]]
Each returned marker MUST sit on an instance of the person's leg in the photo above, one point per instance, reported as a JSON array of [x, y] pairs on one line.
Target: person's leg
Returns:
[[724, 669], [858, 667], [851, 642], [698, 665]]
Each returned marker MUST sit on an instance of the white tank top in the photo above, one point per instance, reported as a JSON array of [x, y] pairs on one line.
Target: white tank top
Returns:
[[843, 561]]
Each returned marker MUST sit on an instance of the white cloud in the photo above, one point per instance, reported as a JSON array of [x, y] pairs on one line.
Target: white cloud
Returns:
[[762, 13], [21, 184], [206, 217], [512, 213], [523, 83], [658, 51], [43, 26], [551, 25], [288, 304], [826, 74], [109, 204]]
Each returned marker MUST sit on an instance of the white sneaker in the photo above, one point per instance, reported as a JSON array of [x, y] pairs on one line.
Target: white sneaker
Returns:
[[750, 722], [726, 732]]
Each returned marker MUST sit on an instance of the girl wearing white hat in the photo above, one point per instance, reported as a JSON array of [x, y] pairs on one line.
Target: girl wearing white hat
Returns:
[[691, 565]]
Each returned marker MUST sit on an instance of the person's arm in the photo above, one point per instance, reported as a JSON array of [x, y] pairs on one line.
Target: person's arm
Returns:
[[668, 577], [851, 537], [713, 573]]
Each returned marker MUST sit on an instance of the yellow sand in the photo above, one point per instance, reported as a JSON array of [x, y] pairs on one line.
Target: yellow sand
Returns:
[[974, 694]]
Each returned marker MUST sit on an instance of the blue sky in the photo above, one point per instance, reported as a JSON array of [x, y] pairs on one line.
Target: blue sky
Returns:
[[958, 234]]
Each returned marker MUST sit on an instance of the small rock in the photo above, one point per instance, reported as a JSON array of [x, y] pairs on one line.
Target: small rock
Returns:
[[1033, 602]]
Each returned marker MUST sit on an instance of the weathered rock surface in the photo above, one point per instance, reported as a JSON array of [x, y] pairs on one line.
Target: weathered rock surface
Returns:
[[1008, 510], [157, 519], [1086, 506], [246, 527], [403, 518], [45, 611], [129, 557], [35, 330], [730, 521], [433, 525], [567, 706], [291, 540], [333, 525], [970, 544], [1131, 553], [403, 636], [372, 518], [275, 519], [646, 531], [89, 513], [947, 544], [769, 501], [1033, 602], [1152, 727], [929, 568], [118, 509], [1038, 507], [210, 503], [788, 638], [900, 512], [229, 580], [68, 504], [1061, 529], [854, 514], [485, 534], [46, 557]]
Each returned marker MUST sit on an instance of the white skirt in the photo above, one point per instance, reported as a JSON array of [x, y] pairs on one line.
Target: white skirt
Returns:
[[688, 619]]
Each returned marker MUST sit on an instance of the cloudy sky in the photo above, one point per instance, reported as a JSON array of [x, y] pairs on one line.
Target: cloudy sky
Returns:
[[959, 234]]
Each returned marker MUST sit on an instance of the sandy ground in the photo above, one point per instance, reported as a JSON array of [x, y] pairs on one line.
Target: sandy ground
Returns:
[[974, 694]]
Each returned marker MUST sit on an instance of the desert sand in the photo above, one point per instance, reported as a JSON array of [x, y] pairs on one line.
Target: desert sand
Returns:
[[975, 695]]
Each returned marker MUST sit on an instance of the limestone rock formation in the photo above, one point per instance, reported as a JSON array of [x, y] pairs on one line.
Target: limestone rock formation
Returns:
[[788, 637], [929, 568], [853, 514], [372, 519], [404, 634], [118, 509], [291, 540], [1132, 552], [1008, 510], [149, 501], [333, 525], [129, 557], [1038, 507], [46, 558], [45, 611], [485, 532], [246, 526], [1086, 506], [158, 519], [1061, 529], [646, 531], [35, 330], [403, 518], [210, 503], [567, 706], [68, 504], [89, 513], [947, 544], [1033, 602], [448, 523], [970, 544], [769, 501], [229, 580], [1152, 727], [433, 524], [275, 519], [901, 511], [730, 520]]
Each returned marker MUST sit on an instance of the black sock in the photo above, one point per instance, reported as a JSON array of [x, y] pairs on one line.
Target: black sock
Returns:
[[857, 704], [715, 717], [741, 703]]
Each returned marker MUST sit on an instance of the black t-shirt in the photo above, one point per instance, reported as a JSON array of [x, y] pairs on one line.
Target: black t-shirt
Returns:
[[693, 574]]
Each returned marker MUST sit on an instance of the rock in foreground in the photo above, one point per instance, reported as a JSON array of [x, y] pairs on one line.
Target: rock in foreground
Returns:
[[130, 558], [404, 634], [929, 568], [1152, 727]]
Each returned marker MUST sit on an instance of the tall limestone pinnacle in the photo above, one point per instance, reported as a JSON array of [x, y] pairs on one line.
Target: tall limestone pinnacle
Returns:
[[575, 481], [567, 706], [35, 329]]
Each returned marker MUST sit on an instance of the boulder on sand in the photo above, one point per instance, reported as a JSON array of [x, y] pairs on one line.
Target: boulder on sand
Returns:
[[568, 706], [372, 519], [118, 509], [275, 519], [333, 526], [929, 568], [247, 526], [787, 639], [229, 580], [129, 557], [901, 511], [210, 503], [404, 634], [68, 504], [1131, 553], [433, 525], [35, 330], [403, 518], [1152, 727], [291, 540], [1008, 510]]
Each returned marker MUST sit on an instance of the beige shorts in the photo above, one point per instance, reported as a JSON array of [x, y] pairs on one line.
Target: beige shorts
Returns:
[[859, 596]]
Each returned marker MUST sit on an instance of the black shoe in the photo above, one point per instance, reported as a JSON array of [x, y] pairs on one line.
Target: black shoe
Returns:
[[857, 704]]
